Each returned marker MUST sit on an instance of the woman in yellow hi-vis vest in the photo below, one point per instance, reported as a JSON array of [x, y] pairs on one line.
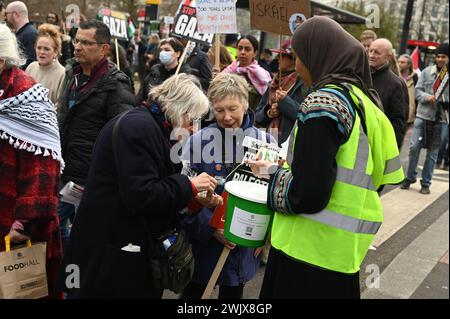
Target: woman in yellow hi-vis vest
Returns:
[[343, 149]]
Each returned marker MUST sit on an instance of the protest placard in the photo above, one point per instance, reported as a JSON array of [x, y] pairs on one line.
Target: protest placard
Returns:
[[116, 22], [216, 16], [279, 17], [186, 27]]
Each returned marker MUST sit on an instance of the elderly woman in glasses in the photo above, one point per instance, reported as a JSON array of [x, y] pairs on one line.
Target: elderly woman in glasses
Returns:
[[134, 190], [219, 155]]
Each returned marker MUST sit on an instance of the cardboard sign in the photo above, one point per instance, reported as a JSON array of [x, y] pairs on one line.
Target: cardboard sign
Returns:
[[116, 22], [279, 17], [216, 16], [186, 27], [141, 15]]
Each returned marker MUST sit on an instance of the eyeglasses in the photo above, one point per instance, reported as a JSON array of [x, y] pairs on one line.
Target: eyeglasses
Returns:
[[84, 43], [6, 13]]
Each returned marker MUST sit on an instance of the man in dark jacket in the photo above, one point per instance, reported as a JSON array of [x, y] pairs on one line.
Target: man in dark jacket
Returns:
[[17, 18], [392, 91], [198, 60], [136, 54], [94, 92]]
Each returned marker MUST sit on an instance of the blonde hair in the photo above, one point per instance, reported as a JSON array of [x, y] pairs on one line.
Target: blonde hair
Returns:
[[180, 95], [9, 50], [229, 84], [368, 34], [50, 31]]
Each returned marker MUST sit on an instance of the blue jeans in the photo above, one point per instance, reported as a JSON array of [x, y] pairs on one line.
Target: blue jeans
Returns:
[[65, 212], [414, 153], [443, 151]]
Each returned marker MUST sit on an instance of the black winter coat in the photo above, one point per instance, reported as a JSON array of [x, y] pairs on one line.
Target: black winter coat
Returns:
[[140, 184], [199, 61], [26, 38], [142, 48], [157, 75], [393, 93], [66, 49], [80, 125]]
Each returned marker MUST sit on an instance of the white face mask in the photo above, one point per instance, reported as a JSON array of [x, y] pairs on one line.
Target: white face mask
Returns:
[[165, 57]]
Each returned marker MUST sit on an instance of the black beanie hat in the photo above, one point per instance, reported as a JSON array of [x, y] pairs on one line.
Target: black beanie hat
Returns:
[[442, 49]]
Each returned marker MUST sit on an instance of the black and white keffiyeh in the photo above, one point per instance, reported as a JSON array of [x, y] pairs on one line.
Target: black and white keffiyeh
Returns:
[[28, 121]]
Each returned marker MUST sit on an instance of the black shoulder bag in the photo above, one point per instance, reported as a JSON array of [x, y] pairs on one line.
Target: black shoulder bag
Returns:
[[171, 260]]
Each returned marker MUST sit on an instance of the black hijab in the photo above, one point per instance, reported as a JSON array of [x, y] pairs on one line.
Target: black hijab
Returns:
[[332, 55]]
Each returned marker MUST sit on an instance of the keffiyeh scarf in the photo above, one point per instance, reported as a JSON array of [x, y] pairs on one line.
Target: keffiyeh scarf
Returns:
[[28, 122]]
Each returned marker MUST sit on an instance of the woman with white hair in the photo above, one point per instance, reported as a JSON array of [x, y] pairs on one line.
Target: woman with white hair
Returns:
[[219, 148], [134, 187], [30, 160]]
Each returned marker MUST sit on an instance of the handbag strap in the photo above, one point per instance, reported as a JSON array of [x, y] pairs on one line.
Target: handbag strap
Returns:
[[114, 149], [8, 243]]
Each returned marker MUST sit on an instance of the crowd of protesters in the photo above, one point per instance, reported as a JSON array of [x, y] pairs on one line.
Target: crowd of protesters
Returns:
[[76, 86]]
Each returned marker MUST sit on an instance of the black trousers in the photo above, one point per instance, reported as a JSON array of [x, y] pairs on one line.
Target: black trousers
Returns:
[[287, 278], [195, 291]]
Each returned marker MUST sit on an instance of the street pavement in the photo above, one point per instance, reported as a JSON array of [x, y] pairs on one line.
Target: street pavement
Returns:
[[409, 257]]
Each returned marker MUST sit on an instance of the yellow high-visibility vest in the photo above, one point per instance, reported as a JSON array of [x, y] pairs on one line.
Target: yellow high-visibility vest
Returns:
[[338, 237]]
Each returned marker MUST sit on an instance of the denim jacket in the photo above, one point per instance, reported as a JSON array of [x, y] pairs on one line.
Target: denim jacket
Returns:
[[424, 89]]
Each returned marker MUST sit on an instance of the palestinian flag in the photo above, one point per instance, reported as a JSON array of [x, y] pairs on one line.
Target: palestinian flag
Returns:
[[131, 28], [415, 59]]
